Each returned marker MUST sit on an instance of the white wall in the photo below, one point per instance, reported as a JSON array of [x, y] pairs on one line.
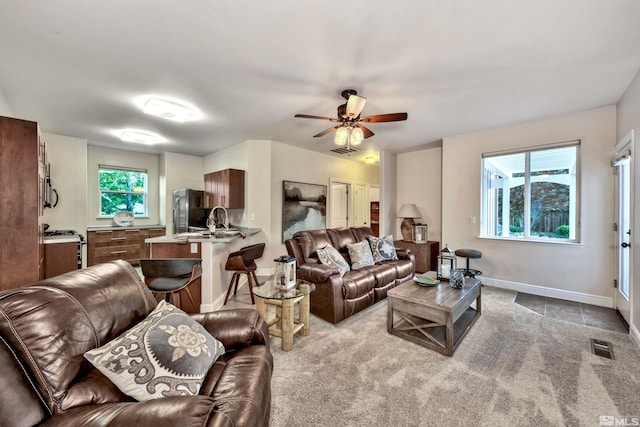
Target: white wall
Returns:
[[107, 156], [629, 118], [5, 108], [420, 182], [177, 171], [581, 272], [388, 190], [68, 159]]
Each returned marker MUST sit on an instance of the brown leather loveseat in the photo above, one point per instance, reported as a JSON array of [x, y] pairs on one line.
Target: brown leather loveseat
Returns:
[[337, 297], [45, 329]]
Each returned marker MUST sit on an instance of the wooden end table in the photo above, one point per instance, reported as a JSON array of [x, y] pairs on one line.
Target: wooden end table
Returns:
[[286, 325], [436, 317]]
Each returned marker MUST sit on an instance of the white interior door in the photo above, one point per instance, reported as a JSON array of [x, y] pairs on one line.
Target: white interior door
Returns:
[[361, 205], [624, 215], [339, 204]]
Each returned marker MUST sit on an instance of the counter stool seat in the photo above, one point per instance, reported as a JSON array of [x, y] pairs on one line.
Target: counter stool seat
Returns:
[[168, 276], [468, 254], [241, 262]]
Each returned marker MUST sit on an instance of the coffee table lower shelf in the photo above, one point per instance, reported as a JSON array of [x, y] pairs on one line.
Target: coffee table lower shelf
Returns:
[[415, 315]]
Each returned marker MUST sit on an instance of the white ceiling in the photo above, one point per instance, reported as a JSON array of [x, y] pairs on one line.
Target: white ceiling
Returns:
[[76, 66]]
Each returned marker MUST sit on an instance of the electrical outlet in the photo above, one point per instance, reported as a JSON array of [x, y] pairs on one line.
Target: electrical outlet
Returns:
[[194, 248], [472, 220], [253, 217]]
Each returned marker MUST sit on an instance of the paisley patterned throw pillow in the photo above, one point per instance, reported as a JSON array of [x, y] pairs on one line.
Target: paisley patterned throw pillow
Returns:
[[167, 354], [383, 248], [360, 254], [330, 256]]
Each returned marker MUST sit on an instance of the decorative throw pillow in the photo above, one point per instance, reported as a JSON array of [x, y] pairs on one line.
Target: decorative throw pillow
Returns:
[[383, 248], [360, 254], [166, 354], [330, 256]]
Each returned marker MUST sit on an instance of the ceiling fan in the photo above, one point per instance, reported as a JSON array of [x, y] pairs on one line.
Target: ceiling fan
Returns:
[[350, 130]]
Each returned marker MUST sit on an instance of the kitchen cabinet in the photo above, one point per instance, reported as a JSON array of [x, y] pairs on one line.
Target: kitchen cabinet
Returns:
[[426, 254], [60, 258], [22, 179], [224, 188], [119, 243]]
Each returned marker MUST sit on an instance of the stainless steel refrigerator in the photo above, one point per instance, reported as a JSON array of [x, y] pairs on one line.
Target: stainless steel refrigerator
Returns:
[[189, 213]]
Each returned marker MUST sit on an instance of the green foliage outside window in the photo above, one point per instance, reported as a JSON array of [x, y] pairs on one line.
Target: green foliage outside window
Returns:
[[122, 190]]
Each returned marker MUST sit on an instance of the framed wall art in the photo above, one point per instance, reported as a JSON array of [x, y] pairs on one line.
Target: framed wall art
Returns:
[[304, 207]]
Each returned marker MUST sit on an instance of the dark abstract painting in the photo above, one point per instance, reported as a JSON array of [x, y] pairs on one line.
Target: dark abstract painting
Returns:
[[304, 207]]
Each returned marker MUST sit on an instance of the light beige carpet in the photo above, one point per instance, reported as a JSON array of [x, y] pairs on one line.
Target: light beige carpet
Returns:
[[514, 368]]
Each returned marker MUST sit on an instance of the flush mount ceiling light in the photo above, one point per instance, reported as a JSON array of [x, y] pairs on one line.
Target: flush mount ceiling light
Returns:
[[169, 110], [141, 137], [370, 159]]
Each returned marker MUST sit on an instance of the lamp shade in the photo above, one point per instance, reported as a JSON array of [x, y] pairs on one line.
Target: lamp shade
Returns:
[[341, 136], [409, 210], [356, 136]]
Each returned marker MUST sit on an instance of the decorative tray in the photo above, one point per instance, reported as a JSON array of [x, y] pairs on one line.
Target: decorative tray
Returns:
[[123, 218], [426, 281]]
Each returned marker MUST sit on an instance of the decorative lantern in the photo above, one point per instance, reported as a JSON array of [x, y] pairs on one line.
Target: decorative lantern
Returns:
[[419, 233], [446, 263], [285, 277]]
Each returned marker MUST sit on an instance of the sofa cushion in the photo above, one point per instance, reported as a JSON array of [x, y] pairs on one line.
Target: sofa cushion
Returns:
[[331, 256], [382, 248], [166, 354], [360, 254], [341, 237], [384, 273], [357, 283], [404, 268]]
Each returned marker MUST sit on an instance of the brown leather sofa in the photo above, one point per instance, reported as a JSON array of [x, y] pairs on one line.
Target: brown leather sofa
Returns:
[[338, 297], [45, 329]]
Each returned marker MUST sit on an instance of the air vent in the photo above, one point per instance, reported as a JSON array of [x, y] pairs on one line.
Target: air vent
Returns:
[[343, 150], [601, 348]]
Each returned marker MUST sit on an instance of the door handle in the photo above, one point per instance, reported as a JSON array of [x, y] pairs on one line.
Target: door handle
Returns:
[[625, 244]]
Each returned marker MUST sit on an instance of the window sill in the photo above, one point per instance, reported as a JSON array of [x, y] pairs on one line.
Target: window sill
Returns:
[[537, 241]]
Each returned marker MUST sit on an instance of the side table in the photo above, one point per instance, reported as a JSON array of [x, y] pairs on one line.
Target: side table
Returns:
[[426, 253], [286, 326]]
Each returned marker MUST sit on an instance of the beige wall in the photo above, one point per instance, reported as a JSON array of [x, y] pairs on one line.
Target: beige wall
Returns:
[[629, 118], [582, 272], [177, 171], [107, 156], [5, 108], [420, 182]]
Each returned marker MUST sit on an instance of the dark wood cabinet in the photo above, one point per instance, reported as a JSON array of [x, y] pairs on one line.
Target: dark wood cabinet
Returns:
[[127, 244], [426, 254], [224, 188], [375, 218], [60, 258], [22, 184]]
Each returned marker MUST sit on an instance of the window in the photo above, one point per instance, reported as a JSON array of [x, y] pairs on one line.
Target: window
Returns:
[[122, 189], [532, 194]]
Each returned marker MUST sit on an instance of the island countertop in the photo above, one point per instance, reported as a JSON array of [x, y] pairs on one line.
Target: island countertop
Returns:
[[205, 236]]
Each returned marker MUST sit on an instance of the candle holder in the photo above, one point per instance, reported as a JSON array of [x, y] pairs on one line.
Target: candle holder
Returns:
[[446, 263]]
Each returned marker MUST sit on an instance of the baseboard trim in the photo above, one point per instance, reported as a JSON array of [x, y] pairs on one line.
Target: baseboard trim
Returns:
[[549, 292], [635, 335]]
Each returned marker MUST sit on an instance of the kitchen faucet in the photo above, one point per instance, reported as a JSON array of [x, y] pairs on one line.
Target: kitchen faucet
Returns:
[[213, 217]]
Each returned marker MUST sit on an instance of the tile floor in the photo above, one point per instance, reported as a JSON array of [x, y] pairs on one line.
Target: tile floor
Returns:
[[582, 314]]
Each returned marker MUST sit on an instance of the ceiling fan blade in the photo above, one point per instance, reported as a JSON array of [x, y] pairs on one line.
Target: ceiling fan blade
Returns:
[[355, 104], [367, 132], [380, 118], [326, 131], [307, 116]]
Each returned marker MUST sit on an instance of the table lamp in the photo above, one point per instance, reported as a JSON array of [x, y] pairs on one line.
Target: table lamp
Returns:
[[408, 211]]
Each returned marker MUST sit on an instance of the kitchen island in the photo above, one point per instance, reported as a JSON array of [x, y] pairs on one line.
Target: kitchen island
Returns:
[[213, 249]]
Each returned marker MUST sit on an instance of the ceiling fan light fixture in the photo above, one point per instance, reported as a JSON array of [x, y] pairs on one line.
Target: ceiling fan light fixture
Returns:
[[342, 134], [356, 136], [355, 104], [169, 110]]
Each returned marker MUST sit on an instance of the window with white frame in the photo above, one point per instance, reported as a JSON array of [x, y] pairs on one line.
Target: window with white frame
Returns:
[[532, 194], [122, 189]]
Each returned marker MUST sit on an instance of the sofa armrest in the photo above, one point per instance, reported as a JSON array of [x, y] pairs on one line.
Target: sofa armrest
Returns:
[[184, 411], [403, 253], [317, 273], [235, 328]]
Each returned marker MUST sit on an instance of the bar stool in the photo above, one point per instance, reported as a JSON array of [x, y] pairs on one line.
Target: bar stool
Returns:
[[243, 262], [468, 254], [169, 276]]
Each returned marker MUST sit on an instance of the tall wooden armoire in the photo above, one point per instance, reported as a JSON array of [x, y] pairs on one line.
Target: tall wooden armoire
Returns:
[[22, 187]]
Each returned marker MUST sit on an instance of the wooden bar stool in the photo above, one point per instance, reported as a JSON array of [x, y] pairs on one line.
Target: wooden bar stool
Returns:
[[169, 276], [243, 262], [470, 253]]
